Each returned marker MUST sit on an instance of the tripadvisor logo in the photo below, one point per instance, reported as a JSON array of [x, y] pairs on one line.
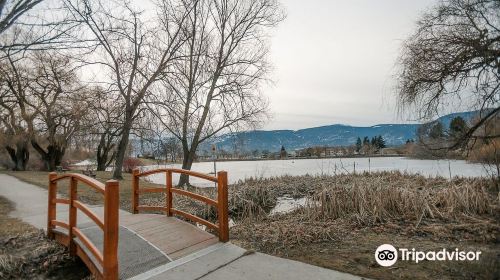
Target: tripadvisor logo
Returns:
[[387, 255]]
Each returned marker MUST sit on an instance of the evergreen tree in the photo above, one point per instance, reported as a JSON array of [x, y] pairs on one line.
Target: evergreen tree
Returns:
[[436, 131], [458, 127], [380, 142], [358, 144], [366, 140]]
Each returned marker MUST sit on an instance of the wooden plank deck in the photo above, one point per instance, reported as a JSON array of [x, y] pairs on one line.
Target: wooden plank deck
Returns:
[[172, 236]]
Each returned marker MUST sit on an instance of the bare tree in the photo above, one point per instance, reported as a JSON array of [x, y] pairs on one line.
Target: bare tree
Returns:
[[104, 122], [56, 97], [27, 25], [214, 87], [132, 53], [171, 148], [12, 125], [454, 55], [17, 116], [11, 10], [39, 95]]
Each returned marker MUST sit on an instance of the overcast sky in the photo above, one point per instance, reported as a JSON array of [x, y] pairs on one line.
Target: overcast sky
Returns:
[[334, 60]]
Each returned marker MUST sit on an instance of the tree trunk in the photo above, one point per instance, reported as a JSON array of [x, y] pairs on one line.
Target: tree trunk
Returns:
[[52, 157], [19, 156], [103, 149], [120, 153], [187, 163]]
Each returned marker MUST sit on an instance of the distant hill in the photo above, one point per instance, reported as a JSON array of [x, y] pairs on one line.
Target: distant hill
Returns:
[[330, 135]]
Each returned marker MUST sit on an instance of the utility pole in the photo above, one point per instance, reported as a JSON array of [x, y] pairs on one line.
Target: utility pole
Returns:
[[214, 156]]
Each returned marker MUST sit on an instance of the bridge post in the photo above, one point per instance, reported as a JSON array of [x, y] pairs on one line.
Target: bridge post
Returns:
[[51, 211], [135, 191], [222, 205], [72, 214], [111, 220], [168, 197]]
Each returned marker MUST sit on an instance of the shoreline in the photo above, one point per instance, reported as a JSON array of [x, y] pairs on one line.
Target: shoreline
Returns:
[[301, 158]]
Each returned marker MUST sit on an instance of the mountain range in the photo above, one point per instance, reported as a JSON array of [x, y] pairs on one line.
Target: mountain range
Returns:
[[330, 135]]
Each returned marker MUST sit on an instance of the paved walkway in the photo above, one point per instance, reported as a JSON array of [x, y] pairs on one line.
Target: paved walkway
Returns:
[[219, 261]]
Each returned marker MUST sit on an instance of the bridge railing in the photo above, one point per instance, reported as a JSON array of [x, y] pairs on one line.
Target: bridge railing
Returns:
[[221, 204], [107, 267]]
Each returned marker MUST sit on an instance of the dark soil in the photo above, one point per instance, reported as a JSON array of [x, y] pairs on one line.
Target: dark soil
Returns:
[[352, 249], [26, 253]]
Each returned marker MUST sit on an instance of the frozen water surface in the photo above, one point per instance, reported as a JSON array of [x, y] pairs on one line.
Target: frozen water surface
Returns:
[[240, 170]]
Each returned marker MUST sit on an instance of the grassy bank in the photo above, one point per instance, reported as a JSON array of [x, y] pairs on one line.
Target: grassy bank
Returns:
[[25, 252]]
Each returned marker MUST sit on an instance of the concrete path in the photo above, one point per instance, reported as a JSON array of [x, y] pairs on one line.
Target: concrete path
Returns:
[[218, 262]]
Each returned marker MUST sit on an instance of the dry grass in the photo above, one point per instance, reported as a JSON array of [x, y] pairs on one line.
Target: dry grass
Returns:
[[11, 226], [363, 199], [26, 253], [347, 216], [336, 205], [372, 198], [369, 197]]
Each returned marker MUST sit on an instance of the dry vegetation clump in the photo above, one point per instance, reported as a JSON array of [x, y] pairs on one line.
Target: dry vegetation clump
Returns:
[[412, 205], [32, 255], [254, 198], [372, 198], [283, 232], [365, 199], [26, 253], [249, 199]]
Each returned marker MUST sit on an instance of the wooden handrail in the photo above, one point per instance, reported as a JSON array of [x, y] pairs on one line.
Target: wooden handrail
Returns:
[[194, 218], [195, 196], [152, 208], [108, 258], [91, 182], [62, 201], [90, 246], [221, 203], [60, 224], [152, 190], [80, 206], [180, 171]]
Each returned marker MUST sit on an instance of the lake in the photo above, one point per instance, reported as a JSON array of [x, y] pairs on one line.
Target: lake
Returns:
[[240, 170]]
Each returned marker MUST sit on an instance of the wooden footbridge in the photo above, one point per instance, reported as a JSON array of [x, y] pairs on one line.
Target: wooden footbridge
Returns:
[[120, 245]]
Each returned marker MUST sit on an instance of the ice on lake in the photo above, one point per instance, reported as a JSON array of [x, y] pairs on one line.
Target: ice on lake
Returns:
[[240, 170]]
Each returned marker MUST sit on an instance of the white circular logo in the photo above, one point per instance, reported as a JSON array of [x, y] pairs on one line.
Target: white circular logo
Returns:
[[386, 255]]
